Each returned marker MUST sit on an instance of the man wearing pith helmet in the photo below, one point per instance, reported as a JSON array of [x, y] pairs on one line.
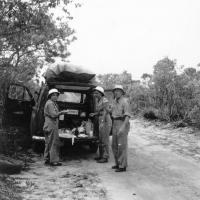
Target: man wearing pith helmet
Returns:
[[121, 114], [50, 128], [105, 124]]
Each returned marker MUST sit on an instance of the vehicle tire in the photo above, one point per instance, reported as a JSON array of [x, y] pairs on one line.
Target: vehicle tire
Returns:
[[93, 147], [5, 119], [38, 146]]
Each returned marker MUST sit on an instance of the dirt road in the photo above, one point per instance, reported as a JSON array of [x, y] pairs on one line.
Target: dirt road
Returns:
[[163, 165]]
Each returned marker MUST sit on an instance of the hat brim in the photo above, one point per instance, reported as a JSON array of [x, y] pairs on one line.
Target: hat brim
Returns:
[[53, 93], [119, 89], [99, 92]]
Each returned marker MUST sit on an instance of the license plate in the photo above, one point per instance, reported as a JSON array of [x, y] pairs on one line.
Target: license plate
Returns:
[[72, 112]]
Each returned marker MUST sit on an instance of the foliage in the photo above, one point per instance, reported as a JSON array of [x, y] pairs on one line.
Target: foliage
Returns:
[[165, 94], [108, 81], [150, 113], [194, 115], [30, 35], [175, 96]]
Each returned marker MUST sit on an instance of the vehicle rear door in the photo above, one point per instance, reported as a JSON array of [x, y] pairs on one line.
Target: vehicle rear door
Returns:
[[17, 106]]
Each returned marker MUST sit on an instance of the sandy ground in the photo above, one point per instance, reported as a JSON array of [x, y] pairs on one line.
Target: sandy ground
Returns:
[[163, 165]]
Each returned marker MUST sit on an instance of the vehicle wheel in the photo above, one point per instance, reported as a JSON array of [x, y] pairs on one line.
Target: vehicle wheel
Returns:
[[38, 147], [5, 121], [93, 147]]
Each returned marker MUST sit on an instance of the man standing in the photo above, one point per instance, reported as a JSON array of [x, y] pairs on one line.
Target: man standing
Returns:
[[50, 128], [121, 125], [105, 124]]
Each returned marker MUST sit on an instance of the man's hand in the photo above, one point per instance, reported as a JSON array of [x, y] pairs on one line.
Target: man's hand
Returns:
[[92, 114], [124, 125], [63, 112], [121, 130]]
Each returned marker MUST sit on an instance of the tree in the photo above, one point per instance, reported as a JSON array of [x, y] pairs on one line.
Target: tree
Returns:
[[146, 79], [30, 36], [108, 81], [145, 76], [163, 77], [190, 72]]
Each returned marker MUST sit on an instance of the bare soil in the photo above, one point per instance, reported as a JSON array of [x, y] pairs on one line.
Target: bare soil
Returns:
[[164, 164]]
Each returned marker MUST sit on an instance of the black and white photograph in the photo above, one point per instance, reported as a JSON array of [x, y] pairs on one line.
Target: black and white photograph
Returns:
[[99, 100]]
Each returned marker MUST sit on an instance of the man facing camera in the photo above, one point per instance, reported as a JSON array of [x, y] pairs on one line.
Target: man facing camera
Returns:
[[120, 114]]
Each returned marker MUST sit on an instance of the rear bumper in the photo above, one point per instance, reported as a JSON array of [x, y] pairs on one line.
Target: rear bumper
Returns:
[[73, 140], [38, 138]]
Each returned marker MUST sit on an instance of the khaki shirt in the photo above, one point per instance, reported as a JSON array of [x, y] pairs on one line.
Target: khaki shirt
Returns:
[[121, 108], [50, 114], [102, 106]]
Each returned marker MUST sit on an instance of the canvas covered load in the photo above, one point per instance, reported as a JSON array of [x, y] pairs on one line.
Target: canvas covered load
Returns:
[[65, 72]]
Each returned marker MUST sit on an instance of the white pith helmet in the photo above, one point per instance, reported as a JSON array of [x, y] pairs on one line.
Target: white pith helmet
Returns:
[[120, 87], [53, 91], [99, 89]]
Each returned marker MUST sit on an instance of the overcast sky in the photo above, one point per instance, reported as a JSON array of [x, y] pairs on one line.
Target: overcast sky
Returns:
[[132, 35]]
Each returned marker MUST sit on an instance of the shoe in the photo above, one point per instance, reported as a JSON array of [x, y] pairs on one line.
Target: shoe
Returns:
[[56, 164], [97, 158], [47, 162], [121, 169], [115, 167], [103, 160]]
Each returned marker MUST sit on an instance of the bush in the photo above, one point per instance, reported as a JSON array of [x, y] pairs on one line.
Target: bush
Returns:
[[150, 114], [194, 116]]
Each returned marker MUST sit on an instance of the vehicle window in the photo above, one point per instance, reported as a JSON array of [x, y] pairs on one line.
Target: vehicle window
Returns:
[[19, 93], [27, 96], [16, 92], [72, 97]]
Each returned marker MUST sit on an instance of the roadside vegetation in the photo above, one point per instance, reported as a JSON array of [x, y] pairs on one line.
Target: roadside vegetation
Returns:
[[170, 94], [31, 36]]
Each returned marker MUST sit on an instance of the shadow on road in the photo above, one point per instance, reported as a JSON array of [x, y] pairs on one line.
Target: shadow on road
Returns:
[[69, 153]]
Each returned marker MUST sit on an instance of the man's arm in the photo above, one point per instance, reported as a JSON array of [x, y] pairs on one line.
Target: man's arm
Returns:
[[127, 115], [52, 113], [126, 121]]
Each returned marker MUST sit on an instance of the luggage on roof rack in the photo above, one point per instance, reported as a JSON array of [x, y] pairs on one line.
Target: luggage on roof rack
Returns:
[[69, 73]]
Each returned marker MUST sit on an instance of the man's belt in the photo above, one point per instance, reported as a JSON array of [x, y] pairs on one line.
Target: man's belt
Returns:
[[118, 118]]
